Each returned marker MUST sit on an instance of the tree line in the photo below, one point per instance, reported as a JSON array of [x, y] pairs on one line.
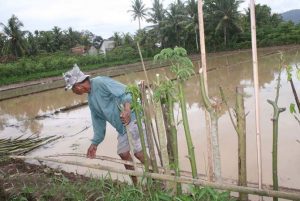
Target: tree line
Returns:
[[176, 25]]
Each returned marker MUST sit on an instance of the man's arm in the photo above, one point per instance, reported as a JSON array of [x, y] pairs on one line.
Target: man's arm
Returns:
[[99, 127]]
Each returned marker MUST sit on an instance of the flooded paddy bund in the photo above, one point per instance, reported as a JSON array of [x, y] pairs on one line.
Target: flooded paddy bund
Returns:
[[230, 69]]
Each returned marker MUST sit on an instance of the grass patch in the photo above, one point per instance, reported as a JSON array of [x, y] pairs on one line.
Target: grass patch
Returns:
[[50, 65], [22, 181]]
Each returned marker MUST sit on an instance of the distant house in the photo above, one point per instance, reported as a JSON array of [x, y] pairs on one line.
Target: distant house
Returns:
[[107, 45], [92, 51], [80, 49]]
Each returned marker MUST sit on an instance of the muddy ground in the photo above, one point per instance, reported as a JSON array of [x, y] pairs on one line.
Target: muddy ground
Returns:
[[20, 180]]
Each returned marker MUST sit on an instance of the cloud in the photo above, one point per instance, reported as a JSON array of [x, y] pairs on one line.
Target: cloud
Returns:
[[277, 6], [97, 15]]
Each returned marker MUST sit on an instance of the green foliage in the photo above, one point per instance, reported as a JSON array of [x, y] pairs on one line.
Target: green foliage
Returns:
[[122, 53], [136, 97], [165, 89], [292, 108], [138, 10], [15, 43], [62, 188], [47, 65], [181, 65], [289, 70]]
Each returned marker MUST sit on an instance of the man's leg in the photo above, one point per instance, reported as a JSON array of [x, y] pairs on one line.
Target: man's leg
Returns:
[[126, 156], [123, 148], [140, 155]]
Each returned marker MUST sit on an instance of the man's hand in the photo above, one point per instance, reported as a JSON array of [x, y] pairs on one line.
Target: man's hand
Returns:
[[91, 153], [125, 115]]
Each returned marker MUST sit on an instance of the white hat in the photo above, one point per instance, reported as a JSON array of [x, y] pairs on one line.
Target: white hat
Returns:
[[74, 76]]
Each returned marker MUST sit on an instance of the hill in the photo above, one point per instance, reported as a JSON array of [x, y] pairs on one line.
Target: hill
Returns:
[[292, 15]]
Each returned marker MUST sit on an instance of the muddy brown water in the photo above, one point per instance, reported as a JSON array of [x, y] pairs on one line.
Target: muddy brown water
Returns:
[[227, 70]]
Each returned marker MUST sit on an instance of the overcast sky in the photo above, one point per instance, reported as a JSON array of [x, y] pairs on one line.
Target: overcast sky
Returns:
[[102, 17]]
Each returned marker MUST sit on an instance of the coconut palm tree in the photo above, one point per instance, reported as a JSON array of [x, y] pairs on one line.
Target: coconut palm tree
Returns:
[[117, 39], [172, 24], [45, 41], [32, 45], [226, 15], [156, 16], [138, 11], [191, 22], [15, 43], [57, 38], [128, 39], [2, 41], [264, 16]]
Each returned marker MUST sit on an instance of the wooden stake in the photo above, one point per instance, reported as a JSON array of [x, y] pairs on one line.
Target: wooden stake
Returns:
[[241, 131]]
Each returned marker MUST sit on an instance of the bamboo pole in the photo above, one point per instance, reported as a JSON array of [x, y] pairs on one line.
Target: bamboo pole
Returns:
[[151, 102], [148, 123], [256, 90], [142, 138], [165, 92], [143, 64], [162, 136], [181, 179], [203, 66]]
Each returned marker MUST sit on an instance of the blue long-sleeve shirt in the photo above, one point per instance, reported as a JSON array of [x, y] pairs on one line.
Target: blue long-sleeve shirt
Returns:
[[104, 99]]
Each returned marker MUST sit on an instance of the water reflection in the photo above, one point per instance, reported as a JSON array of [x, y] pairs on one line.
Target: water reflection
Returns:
[[227, 70], [20, 112]]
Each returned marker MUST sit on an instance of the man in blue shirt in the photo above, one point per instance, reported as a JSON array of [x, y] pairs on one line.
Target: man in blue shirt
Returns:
[[105, 97]]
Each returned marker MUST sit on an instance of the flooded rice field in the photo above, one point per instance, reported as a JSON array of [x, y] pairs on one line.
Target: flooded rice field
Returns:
[[18, 117]]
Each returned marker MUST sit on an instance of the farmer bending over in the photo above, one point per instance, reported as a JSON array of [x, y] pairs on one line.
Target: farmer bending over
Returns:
[[105, 98]]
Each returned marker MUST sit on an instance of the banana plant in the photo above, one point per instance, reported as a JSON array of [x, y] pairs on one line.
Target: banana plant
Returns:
[[183, 68]]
